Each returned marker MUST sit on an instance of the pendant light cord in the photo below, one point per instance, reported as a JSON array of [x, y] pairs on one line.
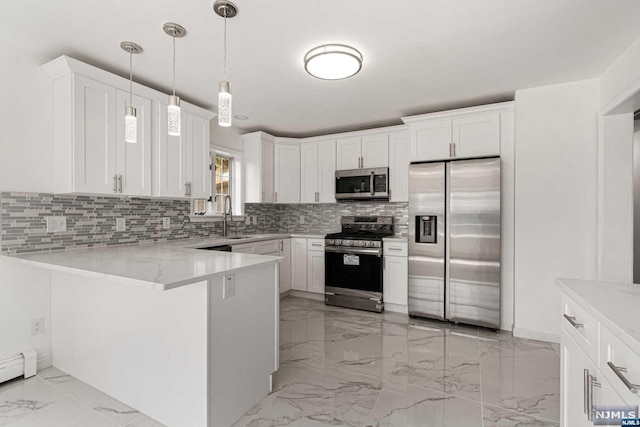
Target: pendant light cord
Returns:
[[225, 43], [174, 65], [130, 78]]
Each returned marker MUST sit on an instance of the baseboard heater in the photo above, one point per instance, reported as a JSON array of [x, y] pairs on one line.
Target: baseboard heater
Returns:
[[24, 364]]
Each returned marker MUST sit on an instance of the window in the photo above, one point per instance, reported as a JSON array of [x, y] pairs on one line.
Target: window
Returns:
[[222, 180], [226, 179]]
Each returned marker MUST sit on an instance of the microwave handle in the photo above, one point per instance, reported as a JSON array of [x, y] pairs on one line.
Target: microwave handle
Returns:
[[373, 175]]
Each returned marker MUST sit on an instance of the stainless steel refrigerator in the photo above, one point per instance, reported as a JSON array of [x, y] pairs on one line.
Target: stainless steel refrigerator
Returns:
[[454, 241]]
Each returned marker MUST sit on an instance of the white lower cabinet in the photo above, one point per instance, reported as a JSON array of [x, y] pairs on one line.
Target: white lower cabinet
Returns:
[[299, 263], [285, 265], [587, 379], [395, 275], [315, 265]]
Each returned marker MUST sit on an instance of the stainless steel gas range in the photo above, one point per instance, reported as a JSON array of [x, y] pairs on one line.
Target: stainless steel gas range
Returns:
[[353, 262]]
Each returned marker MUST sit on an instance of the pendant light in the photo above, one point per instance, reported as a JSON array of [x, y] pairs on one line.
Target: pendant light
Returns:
[[226, 9], [130, 119], [173, 109]]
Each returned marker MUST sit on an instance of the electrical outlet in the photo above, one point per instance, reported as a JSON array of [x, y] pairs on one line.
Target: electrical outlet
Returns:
[[37, 326], [229, 288], [255, 220], [247, 220], [121, 224], [166, 223], [301, 219], [56, 224]]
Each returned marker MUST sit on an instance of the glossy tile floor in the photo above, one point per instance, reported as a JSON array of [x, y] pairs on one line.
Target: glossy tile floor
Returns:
[[342, 367], [55, 399]]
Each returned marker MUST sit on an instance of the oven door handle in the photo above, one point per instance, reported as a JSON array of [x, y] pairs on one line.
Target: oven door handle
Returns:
[[352, 251], [373, 180]]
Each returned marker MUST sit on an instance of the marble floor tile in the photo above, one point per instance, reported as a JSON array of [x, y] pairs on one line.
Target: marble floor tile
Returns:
[[143, 421], [68, 412], [404, 406], [498, 417], [319, 400], [20, 398], [61, 380], [107, 406]]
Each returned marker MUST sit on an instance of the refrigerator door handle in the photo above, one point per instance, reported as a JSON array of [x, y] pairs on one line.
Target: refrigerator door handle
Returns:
[[373, 178]]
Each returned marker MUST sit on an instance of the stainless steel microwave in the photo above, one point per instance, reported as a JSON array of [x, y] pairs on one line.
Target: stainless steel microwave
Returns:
[[362, 184]]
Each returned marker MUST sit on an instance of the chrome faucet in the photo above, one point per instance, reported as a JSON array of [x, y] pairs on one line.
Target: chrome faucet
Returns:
[[225, 212]]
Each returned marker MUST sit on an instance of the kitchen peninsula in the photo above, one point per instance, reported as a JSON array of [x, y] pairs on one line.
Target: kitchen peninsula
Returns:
[[187, 336]]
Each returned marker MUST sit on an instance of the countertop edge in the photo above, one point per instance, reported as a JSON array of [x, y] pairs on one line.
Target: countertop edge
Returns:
[[614, 327]]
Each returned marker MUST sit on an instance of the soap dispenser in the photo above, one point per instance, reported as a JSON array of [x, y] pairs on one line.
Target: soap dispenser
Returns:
[[210, 208]]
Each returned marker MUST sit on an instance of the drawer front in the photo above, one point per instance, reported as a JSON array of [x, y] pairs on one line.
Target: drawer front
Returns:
[[246, 248], [582, 326], [269, 246], [315, 245], [621, 366], [396, 249]]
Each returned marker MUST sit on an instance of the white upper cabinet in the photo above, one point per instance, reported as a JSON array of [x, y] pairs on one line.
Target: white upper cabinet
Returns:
[[90, 150], [399, 166], [134, 159], [368, 151], [90, 153], [198, 157], [287, 172], [259, 167], [463, 133], [169, 156], [318, 170]]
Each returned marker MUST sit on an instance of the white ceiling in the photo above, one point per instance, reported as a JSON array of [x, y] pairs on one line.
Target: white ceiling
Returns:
[[419, 55]]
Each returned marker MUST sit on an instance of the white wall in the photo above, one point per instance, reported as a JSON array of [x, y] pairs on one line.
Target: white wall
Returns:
[[636, 202], [25, 294], [25, 165], [25, 138], [226, 137], [621, 78], [556, 181]]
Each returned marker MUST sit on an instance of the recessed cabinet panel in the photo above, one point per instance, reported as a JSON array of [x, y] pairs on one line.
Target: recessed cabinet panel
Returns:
[[94, 145], [375, 151], [287, 173], [171, 167], [327, 171], [477, 136], [285, 265], [198, 150], [299, 264], [309, 165], [134, 159], [348, 153], [399, 167], [315, 271], [267, 172], [430, 140]]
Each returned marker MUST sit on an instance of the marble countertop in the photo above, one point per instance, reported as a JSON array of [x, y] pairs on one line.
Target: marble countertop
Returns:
[[615, 305], [160, 266]]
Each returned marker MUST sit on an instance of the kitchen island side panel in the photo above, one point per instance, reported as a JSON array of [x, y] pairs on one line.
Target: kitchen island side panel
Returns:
[[144, 347]]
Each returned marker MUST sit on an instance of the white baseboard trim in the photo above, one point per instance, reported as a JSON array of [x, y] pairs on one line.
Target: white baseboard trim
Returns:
[[44, 362], [396, 308], [308, 295], [536, 335]]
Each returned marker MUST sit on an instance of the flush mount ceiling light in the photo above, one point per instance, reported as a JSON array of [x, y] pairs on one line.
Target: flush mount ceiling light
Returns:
[[173, 109], [130, 119], [333, 61], [226, 9]]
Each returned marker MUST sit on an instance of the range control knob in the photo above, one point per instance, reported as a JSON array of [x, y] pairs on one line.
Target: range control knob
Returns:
[[330, 242], [370, 244], [348, 243], [338, 242]]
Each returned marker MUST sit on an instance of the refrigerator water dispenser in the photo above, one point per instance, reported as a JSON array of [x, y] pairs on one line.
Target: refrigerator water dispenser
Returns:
[[426, 228]]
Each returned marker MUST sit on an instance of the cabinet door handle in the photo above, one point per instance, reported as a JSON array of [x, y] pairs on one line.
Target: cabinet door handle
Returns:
[[454, 149], [618, 370], [119, 183], [593, 382], [186, 189], [262, 199], [281, 246], [585, 393], [275, 197], [572, 320], [394, 249], [115, 183]]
